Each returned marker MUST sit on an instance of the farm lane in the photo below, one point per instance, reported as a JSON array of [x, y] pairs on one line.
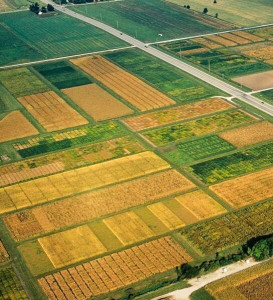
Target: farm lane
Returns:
[[241, 95]]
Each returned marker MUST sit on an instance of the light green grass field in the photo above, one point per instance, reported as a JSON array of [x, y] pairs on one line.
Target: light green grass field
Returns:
[[239, 12]]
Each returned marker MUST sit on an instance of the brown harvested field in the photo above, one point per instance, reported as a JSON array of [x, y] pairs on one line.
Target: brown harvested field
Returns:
[[70, 246], [115, 271], [248, 36], [270, 62], [193, 51], [3, 253], [96, 102], [246, 189], [129, 87], [177, 113], [220, 40], [85, 207], [258, 81], [207, 43], [51, 111], [262, 51], [235, 38], [14, 126], [249, 135], [200, 204]]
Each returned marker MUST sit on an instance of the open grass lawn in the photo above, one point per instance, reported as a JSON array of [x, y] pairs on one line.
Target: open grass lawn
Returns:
[[49, 37], [173, 82], [240, 12], [145, 19]]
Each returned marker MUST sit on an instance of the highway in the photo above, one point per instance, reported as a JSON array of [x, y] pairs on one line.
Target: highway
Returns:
[[229, 89]]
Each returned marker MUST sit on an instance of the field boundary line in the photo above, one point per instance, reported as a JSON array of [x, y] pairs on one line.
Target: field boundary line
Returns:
[[17, 10], [91, 3], [63, 57], [258, 91], [208, 34]]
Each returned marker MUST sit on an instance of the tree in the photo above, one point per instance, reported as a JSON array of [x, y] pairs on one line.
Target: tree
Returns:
[[50, 7], [215, 1], [216, 15], [34, 8], [43, 10], [205, 11], [188, 7]]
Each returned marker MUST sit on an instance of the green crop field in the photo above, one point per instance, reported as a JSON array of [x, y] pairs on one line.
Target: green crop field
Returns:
[[266, 95], [54, 36], [228, 62], [10, 286], [233, 165], [198, 149], [240, 12], [9, 5], [145, 19], [231, 229], [21, 82], [191, 129], [62, 75], [173, 82], [87, 134]]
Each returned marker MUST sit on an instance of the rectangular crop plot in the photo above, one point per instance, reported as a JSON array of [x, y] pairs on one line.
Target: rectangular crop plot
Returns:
[[13, 49], [257, 81], [22, 82], [195, 128], [62, 75], [201, 205], [14, 126], [233, 165], [4, 256], [68, 139], [198, 149], [79, 180], [171, 81], [51, 111], [231, 229], [129, 87], [97, 102], [128, 228], [115, 271], [68, 159], [246, 189], [178, 113], [70, 246], [95, 204], [248, 135], [10, 285]]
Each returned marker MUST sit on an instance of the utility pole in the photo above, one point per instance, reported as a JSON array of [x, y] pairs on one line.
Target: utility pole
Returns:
[[117, 24]]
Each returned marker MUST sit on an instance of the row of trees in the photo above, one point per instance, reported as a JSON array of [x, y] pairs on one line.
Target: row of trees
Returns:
[[35, 7]]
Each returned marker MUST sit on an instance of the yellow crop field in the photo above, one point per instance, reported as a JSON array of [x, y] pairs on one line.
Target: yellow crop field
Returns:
[[71, 246], [253, 283], [95, 204], [249, 135], [128, 228], [209, 44], [201, 205], [246, 189], [249, 36], [220, 40], [51, 111], [129, 87], [177, 113], [235, 38], [3, 253], [193, 51], [166, 216], [96, 102], [14, 126], [79, 180], [115, 271], [261, 51]]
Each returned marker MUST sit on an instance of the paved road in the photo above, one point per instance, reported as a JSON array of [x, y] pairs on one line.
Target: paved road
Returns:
[[235, 92], [184, 294]]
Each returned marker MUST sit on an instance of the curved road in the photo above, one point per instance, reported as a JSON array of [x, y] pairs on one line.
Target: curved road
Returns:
[[229, 89]]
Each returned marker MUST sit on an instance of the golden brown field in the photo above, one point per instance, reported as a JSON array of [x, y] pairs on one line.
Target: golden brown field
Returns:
[[249, 135], [207, 43], [114, 271], [235, 38], [258, 81], [96, 102], [246, 189], [51, 111], [14, 126], [220, 40], [129, 87], [248, 36]]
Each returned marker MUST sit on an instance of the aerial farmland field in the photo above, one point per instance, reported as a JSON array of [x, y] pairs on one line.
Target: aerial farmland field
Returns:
[[124, 172], [146, 19]]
